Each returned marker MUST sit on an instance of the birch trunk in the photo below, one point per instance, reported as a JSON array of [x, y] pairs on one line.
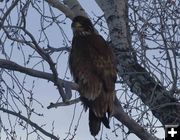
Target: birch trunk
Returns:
[[157, 98]]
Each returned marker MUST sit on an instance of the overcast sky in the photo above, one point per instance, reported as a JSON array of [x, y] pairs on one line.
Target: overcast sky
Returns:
[[46, 92]]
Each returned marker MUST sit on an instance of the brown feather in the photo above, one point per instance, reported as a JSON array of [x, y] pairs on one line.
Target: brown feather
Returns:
[[93, 67], [94, 123]]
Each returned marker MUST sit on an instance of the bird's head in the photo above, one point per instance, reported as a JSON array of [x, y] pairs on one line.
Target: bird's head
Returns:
[[82, 24]]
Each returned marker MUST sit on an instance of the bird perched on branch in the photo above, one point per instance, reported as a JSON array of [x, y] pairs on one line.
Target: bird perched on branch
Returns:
[[92, 65]]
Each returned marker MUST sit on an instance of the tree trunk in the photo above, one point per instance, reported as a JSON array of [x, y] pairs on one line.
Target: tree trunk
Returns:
[[163, 106]]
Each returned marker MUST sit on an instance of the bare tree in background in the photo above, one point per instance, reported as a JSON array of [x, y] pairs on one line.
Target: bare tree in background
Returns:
[[145, 36]]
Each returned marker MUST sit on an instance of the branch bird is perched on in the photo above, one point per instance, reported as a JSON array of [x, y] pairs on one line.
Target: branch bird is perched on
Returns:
[[93, 67]]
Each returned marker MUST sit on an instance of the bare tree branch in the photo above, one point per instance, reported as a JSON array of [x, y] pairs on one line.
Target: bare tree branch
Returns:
[[132, 125], [34, 45], [71, 102], [57, 4], [30, 122], [118, 111], [6, 64], [8, 12]]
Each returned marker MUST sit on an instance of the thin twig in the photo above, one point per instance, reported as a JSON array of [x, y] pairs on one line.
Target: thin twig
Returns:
[[30, 122], [71, 102]]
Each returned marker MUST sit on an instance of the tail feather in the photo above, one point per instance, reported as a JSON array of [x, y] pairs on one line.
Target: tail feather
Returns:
[[95, 123], [105, 121]]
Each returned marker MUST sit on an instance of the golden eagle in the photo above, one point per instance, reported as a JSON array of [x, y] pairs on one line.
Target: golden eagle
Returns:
[[92, 65]]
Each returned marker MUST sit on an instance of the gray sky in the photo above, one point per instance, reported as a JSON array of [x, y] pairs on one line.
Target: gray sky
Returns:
[[46, 92]]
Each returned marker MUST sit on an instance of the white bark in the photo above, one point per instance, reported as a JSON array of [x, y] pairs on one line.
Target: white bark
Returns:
[[116, 21], [135, 76], [75, 7], [60, 6]]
